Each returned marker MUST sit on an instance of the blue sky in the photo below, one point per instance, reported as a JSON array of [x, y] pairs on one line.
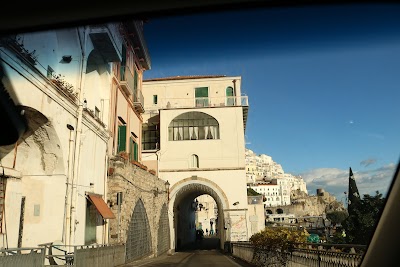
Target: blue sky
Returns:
[[323, 84]]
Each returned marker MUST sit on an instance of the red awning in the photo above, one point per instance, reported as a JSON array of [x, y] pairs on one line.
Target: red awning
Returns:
[[101, 206]]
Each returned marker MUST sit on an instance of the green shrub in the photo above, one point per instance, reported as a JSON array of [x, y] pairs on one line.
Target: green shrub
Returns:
[[273, 243]]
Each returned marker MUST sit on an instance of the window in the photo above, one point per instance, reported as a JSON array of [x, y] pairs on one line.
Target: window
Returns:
[[90, 223], [121, 138], [230, 96], [155, 99], [194, 161], [150, 137], [50, 72], [133, 149], [193, 126], [201, 96], [96, 112]]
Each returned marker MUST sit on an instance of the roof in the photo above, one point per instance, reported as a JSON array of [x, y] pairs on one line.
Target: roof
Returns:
[[184, 78]]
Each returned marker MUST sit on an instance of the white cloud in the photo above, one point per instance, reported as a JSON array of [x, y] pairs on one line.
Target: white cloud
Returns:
[[335, 181]]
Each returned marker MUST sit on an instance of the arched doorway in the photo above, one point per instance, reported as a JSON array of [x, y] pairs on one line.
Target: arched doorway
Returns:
[[184, 206]]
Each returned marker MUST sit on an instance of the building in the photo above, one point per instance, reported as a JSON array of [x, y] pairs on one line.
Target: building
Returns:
[[206, 214], [276, 192], [80, 92], [193, 137]]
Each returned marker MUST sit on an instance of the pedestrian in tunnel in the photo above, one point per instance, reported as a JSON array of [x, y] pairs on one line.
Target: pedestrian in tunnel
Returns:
[[206, 231], [199, 234]]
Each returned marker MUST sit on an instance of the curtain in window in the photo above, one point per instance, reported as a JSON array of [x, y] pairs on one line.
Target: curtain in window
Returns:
[[206, 132], [195, 132], [211, 132], [175, 134], [180, 133], [190, 133], [215, 132]]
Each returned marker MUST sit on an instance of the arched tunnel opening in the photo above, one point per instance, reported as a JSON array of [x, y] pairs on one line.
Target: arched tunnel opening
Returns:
[[198, 210]]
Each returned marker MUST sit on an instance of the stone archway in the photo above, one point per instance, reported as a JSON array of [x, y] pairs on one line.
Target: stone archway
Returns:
[[182, 195]]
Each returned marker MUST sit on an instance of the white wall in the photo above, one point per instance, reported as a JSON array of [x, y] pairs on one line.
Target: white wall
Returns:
[[43, 158]]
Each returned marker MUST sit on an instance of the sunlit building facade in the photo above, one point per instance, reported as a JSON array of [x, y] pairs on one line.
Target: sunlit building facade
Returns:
[[193, 137]]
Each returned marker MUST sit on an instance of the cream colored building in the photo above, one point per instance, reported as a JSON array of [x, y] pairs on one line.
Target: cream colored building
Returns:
[[276, 192], [69, 85], [193, 137], [206, 213]]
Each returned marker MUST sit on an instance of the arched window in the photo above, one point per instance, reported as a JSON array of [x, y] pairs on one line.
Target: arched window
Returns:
[[193, 126], [194, 161], [230, 96]]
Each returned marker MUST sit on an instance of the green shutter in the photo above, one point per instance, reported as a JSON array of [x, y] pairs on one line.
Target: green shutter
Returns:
[[130, 149], [135, 149], [201, 92], [155, 99], [121, 138]]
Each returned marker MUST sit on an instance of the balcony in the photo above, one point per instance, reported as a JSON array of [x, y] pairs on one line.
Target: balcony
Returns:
[[203, 102], [126, 80], [129, 86], [207, 102], [138, 101], [107, 40]]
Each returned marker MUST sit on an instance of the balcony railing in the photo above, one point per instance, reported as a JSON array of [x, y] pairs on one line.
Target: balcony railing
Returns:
[[138, 101], [127, 82], [200, 102]]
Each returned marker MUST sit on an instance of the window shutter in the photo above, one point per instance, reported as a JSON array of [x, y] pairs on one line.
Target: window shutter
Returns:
[[201, 92], [135, 151], [121, 138]]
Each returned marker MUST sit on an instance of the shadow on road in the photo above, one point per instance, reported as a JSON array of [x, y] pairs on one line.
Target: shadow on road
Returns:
[[207, 243]]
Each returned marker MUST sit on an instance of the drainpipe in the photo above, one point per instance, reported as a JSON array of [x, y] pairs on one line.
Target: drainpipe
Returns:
[[105, 225], [67, 208], [74, 182]]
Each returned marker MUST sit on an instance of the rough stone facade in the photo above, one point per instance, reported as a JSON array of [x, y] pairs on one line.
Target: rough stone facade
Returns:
[[136, 184], [306, 205]]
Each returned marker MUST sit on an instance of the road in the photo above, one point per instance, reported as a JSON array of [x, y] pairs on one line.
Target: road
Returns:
[[197, 255]]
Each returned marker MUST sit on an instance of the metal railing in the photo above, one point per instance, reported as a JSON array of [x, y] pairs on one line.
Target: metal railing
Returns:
[[22, 257], [306, 254], [126, 76], [200, 102], [83, 255]]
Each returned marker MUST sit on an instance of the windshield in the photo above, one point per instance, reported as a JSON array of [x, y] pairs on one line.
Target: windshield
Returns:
[[271, 126]]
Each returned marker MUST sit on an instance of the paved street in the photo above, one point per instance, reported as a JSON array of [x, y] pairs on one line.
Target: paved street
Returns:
[[197, 255]]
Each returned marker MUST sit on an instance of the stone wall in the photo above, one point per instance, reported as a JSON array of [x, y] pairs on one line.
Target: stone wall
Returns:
[[306, 205], [135, 183]]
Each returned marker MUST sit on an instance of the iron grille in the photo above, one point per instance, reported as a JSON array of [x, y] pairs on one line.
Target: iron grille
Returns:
[[138, 243], [163, 231]]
